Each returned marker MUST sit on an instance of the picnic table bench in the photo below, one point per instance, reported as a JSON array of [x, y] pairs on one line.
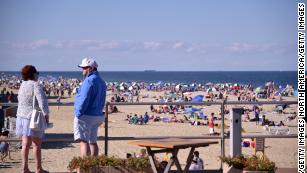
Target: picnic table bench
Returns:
[[172, 146]]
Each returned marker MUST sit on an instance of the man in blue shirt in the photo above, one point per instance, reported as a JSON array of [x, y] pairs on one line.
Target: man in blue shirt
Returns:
[[89, 103]]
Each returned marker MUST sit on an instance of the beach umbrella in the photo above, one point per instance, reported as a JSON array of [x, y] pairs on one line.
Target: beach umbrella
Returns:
[[209, 90], [130, 88], [259, 89], [268, 84], [191, 110], [280, 90], [160, 83], [209, 83], [198, 98], [187, 93], [196, 109]]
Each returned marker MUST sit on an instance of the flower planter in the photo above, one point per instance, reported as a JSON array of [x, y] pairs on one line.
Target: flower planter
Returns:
[[104, 169], [227, 169], [243, 164], [104, 164], [231, 169], [111, 169]]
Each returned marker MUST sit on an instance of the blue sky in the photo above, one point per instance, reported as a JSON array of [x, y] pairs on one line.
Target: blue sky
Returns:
[[140, 35]]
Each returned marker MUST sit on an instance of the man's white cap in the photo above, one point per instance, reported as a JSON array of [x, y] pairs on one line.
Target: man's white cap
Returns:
[[88, 62]]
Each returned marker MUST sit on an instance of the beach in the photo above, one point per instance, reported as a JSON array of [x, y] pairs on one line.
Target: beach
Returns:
[[56, 155]]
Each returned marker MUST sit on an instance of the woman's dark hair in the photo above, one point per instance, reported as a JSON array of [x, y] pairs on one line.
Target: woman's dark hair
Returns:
[[28, 72]]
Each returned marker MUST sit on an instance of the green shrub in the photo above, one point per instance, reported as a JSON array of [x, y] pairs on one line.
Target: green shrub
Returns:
[[88, 162], [252, 163]]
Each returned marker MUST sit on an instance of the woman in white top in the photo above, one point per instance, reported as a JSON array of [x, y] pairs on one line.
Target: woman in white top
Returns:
[[29, 88]]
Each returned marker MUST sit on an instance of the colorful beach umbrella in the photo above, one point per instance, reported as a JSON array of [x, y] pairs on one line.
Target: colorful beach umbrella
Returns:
[[259, 89], [198, 98]]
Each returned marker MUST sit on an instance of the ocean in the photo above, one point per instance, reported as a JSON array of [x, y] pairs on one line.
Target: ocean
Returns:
[[256, 78]]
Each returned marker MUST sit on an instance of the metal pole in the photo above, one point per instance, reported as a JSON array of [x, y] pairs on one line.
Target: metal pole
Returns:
[[106, 127], [222, 133]]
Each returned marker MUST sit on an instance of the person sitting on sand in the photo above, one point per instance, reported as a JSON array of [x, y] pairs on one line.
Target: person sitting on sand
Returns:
[[280, 124], [146, 118], [128, 117], [152, 109], [156, 119], [128, 155], [4, 146], [141, 120], [197, 162], [174, 119], [134, 119], [267, 122], [142, 153]]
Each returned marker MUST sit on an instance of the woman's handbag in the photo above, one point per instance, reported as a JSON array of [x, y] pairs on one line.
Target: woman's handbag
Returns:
[[38, 120]]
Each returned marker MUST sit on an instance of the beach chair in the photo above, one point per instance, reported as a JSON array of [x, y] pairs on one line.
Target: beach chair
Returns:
[[165, 120], [202, 115], [275, 130], [259, 145]]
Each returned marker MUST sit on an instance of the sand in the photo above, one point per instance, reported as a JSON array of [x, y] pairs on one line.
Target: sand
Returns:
[[56, 156]]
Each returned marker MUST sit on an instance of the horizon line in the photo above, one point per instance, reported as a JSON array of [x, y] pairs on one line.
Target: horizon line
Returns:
[[167, 71]]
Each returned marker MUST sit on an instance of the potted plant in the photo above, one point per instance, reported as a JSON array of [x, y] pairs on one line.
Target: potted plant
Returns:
[[252, 164], [102, 163], [141, 165]]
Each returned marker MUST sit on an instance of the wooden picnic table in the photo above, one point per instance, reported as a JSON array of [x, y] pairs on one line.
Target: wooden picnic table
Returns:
[[172, 145]]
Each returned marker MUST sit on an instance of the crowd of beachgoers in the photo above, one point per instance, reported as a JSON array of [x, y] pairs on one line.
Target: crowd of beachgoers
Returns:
[[130, 91], [192, 120], [173, 92]]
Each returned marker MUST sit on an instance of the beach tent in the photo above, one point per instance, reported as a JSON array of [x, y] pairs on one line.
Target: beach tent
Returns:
[[198, 98]]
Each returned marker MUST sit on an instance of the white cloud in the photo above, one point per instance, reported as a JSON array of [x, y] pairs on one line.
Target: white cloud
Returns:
[[237, 47], [178, 45], [31, 45], [151, 45]]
